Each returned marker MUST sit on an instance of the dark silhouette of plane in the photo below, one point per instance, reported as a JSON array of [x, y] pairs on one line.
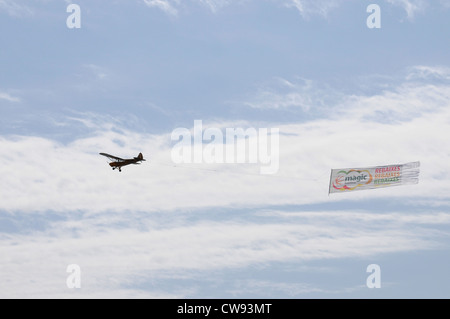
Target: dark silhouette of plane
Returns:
[[117, 162]]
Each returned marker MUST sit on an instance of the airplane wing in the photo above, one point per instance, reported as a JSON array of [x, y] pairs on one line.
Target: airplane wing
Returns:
[[112, 158]]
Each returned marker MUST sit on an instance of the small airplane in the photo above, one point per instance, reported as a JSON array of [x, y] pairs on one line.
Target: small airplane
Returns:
[[118, 162]]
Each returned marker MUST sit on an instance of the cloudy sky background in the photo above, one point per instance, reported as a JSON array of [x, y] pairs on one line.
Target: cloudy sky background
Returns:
[[342, 95]]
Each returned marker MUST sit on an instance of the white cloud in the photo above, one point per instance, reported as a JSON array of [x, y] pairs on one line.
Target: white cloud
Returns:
[[305, 7], [308, 7], [99, 72], [282, 94], [116, 251], [8, 97], [172, 7], [407, 102], [15, 8], [424, 72], [412, 7], [215, 5], [409, 122], [323, 7], [164, 5], [155, 222], [424, 89]]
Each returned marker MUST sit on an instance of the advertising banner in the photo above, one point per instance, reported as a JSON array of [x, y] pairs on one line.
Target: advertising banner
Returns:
[[352, 179]]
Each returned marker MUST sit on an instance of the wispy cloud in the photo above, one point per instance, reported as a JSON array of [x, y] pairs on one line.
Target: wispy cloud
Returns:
[[15, 8], [99, 72], [215, 5], [172, 7], [306, 8], [8, 97], [300, 93], [312, 7], [424, 72], [323, 7], [412, 7], [166, 6], [423, 89]]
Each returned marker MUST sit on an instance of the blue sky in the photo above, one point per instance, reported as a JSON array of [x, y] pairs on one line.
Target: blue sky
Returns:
[[342, 95]]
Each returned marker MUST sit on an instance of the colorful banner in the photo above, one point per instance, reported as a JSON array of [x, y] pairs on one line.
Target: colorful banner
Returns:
[[352, 179]]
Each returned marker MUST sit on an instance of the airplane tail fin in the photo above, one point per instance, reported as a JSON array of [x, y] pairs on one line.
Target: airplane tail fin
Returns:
[[140, 157]]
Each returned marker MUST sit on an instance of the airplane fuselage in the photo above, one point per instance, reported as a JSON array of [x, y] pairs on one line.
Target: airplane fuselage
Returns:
[[124, 163], [118, 162]]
